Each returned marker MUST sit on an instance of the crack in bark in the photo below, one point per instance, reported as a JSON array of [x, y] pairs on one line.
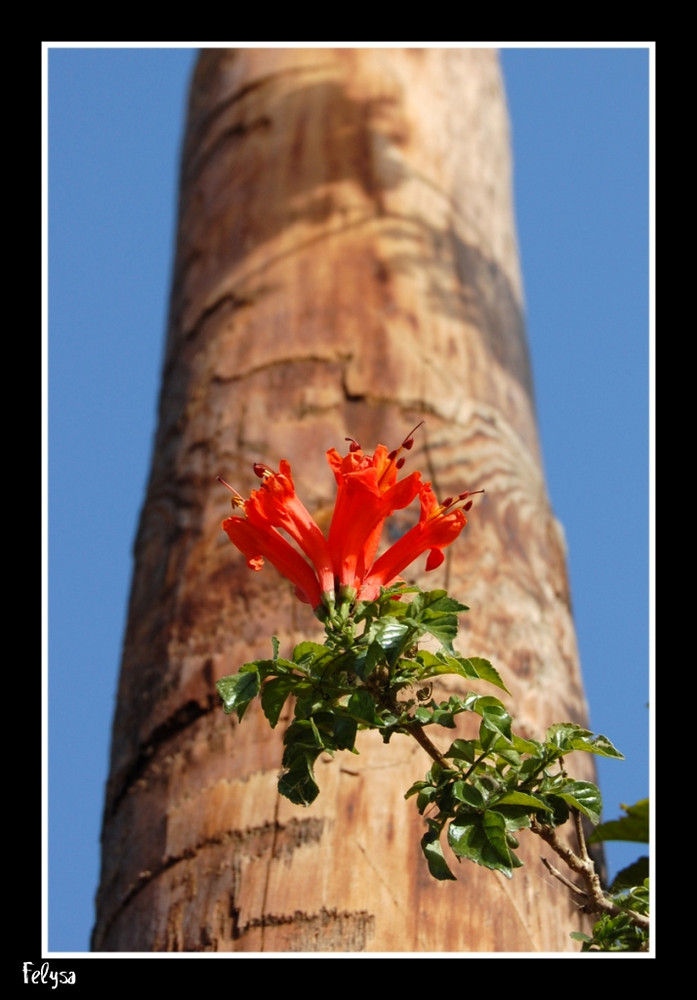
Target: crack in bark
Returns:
[[291, 836], [196, 139], [358, 923]]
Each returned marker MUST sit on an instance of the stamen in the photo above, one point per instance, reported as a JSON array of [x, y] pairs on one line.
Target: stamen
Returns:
[[237, 500], [354, 446], [262, 471], [451, 504], [408, 441], [407, 444]]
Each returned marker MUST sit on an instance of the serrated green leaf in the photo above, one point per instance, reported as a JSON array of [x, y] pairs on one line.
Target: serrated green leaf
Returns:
[[435, 601], [237, 690], [275, 646], [486, 671], [297, 783], [562, 735], [471, 668], [482, 838], [300, 732], [435, 612], [599, 745]]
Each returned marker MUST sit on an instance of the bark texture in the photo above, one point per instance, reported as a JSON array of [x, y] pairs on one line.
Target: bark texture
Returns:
[[346, 265]]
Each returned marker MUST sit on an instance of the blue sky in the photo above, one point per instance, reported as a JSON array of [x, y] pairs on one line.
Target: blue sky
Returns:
[[581, 145]]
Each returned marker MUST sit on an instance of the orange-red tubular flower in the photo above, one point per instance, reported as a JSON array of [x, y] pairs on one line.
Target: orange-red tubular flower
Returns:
[[367, 493], [276, 505], [257, 544], [439, 525]]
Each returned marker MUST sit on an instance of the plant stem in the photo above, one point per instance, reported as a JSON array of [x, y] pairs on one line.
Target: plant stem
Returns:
[[585, 867], [422, 739]]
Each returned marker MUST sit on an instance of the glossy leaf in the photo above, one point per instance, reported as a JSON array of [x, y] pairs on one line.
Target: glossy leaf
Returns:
[[584, 796], [437, 865], [275, 694], [237, 690]]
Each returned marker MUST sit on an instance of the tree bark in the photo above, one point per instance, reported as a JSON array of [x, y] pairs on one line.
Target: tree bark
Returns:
[[346, 265]]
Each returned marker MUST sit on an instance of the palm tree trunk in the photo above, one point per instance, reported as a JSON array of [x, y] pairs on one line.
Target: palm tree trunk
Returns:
[[346, 265]]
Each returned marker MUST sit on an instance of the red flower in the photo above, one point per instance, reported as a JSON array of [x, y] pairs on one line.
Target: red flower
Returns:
[[368, 492], [438, 526], [256, 545], [276, 505]]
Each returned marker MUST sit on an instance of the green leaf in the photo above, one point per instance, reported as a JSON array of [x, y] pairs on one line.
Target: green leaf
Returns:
[[463, 750], [274, 695], [469, 794], [437, 865], [528, 747], [389, 633], [344, 732], [486, 671], [237, 690], [584, 796], [496, 722], [600, 746], [631, 876], [367, 660], [568, 736], [306, 654], [361, 707], [482, 838], [435, 603], [434, 612], [522, 799], [633, 827], [472, 668], [559, 809], [562, 735], [425, 798], [297, 783]]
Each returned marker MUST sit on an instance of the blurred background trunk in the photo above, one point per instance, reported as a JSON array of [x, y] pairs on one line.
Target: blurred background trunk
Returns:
[[346, 265]]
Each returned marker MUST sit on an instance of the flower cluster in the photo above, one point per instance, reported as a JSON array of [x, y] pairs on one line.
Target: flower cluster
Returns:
[[344, 567]]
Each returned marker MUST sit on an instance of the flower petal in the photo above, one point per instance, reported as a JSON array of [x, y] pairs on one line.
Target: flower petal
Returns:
[[257, 544], [436, 529], [367, 493]]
